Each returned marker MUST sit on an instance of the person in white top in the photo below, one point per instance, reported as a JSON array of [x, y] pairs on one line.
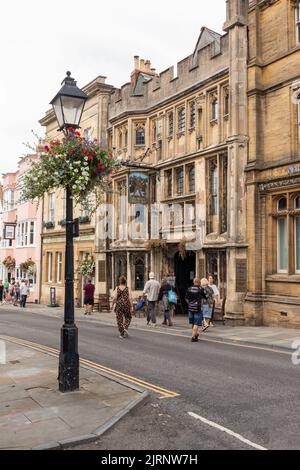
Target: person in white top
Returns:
[[24, 292], [151, 290], [216, 295]]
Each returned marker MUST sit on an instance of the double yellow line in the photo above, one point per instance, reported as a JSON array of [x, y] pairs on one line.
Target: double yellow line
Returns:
[[162, 392]]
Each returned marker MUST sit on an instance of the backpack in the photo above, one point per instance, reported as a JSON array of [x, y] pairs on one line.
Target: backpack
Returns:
[[209, 293], [172, 297]]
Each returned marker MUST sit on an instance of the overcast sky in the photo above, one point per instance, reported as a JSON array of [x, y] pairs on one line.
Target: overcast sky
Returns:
[[41, 40]]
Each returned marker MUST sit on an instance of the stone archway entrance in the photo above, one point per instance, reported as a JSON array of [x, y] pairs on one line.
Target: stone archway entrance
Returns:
[[185, 272]]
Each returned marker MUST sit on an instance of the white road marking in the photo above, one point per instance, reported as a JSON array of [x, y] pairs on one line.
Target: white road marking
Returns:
[[228, 431]]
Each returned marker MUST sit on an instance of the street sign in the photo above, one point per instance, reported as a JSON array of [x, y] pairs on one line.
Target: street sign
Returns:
[[9, 231]]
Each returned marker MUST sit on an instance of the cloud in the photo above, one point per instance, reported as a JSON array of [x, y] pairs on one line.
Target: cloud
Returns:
[[41, 41]]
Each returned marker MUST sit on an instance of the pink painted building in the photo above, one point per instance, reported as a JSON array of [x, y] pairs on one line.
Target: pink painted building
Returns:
[[26, 245]]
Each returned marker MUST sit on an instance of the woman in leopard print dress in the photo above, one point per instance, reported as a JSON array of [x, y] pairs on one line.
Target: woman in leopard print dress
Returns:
[[124, 307]]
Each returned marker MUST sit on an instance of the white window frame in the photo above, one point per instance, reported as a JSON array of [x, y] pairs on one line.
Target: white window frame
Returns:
[[24, 232], [58, 267], [49, 266], [8, 200], [282, 271], [51, 207]]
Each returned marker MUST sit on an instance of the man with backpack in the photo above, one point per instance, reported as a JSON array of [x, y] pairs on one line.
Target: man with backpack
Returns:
[[168, 298], [194, 297]]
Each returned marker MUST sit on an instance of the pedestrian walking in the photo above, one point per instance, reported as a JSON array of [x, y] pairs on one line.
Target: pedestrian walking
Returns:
[[194, 297], [207, 303], [17, 294], [122, 299], [5, 291], [151, 290], [89, 292], [24, 292], [216, 296], [165, 296], [1, 290], [12, 290]]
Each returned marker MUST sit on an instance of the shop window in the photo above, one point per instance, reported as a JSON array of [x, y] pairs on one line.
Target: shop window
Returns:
[[139, 273]]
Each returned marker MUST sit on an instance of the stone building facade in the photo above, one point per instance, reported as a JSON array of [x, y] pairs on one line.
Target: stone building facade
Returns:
[[93, 125], [273, 166], [191, 131]]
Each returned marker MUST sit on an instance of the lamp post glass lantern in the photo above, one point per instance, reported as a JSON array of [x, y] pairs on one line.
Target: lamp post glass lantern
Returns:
[[68, 106]]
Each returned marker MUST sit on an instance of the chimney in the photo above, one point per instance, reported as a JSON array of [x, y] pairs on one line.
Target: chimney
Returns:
[[142, 65], [147, 66], [136, 65]]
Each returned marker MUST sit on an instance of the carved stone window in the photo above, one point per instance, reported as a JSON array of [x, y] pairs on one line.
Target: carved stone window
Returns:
[[214, 107], [181, 120], [282, 204], [226, 102], [170, 124], [169, 183], [179, 181], [140, 135], [120, 140], [192, 115], [298, 21], [191, 178]]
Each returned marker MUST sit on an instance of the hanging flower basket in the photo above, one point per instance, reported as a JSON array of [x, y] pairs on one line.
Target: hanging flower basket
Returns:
[[73, 162], [182, 248], [9, 263], [87, 267], [28, 266]]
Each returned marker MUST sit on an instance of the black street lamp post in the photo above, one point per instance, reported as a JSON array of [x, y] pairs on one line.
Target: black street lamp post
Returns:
[[68, 106]]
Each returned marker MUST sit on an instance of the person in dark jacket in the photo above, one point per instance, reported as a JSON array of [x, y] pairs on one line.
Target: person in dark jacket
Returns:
[[194, 297], [89, 291], [1, 291], [166, 306]]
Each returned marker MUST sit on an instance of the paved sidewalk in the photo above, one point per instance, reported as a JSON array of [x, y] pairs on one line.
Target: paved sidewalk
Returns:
[[35, 415], [279, 338]]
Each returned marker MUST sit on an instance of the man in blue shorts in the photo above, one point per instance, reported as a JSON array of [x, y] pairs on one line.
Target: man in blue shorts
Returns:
[[193, 297]]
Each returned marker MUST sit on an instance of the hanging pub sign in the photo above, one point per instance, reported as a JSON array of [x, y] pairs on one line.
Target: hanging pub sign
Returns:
[[138, 188], [9, 231]]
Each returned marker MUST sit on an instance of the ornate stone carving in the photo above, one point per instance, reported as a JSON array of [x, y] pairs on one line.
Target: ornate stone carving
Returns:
[[279, 184]]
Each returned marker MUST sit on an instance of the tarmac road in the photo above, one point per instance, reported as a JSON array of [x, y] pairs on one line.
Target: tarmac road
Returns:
[[252, 393]]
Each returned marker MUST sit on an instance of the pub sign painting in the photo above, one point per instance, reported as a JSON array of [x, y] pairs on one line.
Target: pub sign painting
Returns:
[[138, 188]]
